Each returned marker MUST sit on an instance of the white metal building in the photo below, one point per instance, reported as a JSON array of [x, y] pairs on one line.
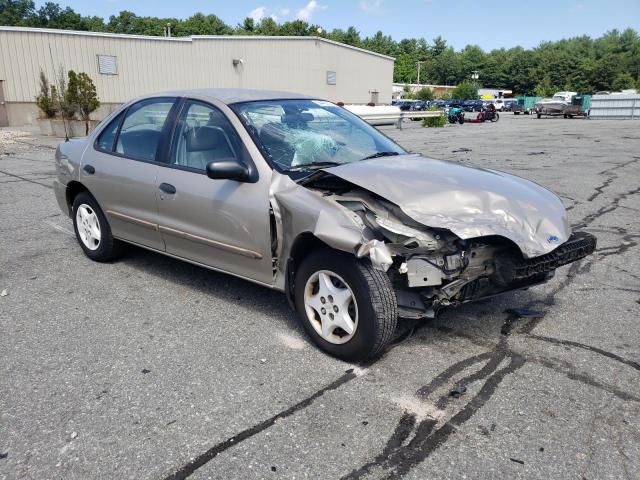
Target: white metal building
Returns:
[[125, 66]]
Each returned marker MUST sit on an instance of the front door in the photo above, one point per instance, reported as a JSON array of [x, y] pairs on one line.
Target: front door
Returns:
[[121, 172], [4, 118], [220, 223]]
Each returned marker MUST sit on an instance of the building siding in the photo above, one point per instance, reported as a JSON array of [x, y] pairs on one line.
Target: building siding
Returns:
[[152, 64]]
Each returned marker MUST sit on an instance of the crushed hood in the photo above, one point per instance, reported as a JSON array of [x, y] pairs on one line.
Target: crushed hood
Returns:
[[468, 201]]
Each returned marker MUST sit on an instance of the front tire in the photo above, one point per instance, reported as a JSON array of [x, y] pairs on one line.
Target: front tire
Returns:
[[347, 307], [93, 231]]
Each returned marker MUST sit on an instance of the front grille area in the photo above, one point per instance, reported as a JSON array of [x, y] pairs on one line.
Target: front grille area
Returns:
[[579, 245]]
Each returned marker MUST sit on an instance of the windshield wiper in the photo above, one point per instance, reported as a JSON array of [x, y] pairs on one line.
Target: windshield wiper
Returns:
[[380, 154], [314, 165]]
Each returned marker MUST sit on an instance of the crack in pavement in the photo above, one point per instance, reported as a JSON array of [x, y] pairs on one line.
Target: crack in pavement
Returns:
[[190, 467], [397, 458], [612, 176], [26, 179]]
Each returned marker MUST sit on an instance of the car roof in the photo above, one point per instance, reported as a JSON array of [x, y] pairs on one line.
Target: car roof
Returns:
[[232, 95]]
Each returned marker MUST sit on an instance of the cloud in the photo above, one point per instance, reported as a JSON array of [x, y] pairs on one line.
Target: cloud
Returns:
[[258, 13], [284, 12], [371, 6], [307, 12]]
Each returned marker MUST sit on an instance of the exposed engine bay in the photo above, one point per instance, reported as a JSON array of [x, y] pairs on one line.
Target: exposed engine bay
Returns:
[[431, 268]]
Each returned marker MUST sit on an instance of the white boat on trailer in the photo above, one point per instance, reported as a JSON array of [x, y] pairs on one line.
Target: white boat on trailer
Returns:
[[557, 105]]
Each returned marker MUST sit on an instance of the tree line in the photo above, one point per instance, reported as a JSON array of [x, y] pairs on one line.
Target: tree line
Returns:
[[583, 64]]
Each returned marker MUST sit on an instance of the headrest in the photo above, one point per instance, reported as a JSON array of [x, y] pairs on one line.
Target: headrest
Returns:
[[296, 119], [206, 138]]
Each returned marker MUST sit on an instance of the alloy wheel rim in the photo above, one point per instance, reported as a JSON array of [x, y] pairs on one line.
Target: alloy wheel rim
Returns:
[[331, 307], [88, 227]]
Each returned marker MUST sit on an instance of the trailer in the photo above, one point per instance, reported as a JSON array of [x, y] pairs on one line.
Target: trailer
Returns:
[[524, 105]]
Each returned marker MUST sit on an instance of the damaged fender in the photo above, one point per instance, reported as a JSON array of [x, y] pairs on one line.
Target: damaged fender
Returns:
[[297, 210]]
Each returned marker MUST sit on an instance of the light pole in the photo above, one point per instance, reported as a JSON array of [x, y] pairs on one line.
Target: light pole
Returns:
[[419, 63]]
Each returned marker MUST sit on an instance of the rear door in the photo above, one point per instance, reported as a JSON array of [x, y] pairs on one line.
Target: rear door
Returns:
[[120, 169], [220, 223]]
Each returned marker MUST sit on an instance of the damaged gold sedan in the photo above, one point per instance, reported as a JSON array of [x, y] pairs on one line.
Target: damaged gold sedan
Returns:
[[300, 195]]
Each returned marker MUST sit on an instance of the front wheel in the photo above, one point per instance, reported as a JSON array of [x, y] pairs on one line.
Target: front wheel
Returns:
[[93, 231], [496, 117], [461, 119], [347, 307]]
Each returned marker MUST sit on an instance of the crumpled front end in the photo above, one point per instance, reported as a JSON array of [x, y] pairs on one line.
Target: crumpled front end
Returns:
[[429, 266]]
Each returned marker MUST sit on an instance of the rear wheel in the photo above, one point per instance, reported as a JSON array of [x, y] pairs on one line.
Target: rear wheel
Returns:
[[93, 231], [539, 115], [347, 307]]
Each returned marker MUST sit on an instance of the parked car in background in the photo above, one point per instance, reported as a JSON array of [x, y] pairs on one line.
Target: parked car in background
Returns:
[[302, 196], [405, 105], [498, 103], [472, 105], [420, 105], [508, 104]]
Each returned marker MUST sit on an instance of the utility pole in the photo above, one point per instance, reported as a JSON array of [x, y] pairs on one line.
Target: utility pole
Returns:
[[420, 62]]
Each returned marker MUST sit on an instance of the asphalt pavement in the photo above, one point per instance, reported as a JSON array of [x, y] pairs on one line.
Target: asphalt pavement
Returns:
[[150, 368]]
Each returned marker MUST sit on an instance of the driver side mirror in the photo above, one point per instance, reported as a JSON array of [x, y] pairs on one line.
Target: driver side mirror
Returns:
[[227, 169]]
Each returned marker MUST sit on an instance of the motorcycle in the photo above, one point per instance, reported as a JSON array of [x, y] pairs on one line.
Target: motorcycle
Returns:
[[456, 114], [490, 114]]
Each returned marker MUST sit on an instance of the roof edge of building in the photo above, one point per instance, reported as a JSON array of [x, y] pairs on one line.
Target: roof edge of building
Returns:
[[191, 38]]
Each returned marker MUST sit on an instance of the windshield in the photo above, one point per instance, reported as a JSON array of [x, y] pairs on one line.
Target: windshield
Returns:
[[303, 135]]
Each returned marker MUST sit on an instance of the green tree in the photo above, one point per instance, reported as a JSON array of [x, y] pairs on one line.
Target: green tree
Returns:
[[425, 93], [82, 96], [47, 97], [17, 12], [466, 91], [622, 81], [201, 24], [544, 88]]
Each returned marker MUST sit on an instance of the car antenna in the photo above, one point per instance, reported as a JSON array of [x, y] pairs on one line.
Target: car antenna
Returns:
[[64, 123]]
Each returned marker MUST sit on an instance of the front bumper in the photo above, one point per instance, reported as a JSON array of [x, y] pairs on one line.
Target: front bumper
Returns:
[[513, 272], [579, 245]]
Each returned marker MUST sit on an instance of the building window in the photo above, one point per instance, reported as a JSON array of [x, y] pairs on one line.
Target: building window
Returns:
[[107, 65], [331, 77]]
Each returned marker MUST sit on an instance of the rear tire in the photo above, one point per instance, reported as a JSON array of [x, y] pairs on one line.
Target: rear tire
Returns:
[[373, 301], [93, 231]]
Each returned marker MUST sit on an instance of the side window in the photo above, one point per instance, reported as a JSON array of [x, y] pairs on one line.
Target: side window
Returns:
[[108, 135], [142, 127], [204, 134]]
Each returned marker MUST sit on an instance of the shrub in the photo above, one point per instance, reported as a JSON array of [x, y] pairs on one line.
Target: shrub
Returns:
[[435, 122], [465, 91], [47, 98], [425, 93], [67, 110], [82, 96]]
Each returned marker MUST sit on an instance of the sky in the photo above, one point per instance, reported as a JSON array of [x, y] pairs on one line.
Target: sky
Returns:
[[488, 23]]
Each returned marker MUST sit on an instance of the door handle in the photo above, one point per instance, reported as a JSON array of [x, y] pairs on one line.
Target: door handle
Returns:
[[89, 169], [167, 188]]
